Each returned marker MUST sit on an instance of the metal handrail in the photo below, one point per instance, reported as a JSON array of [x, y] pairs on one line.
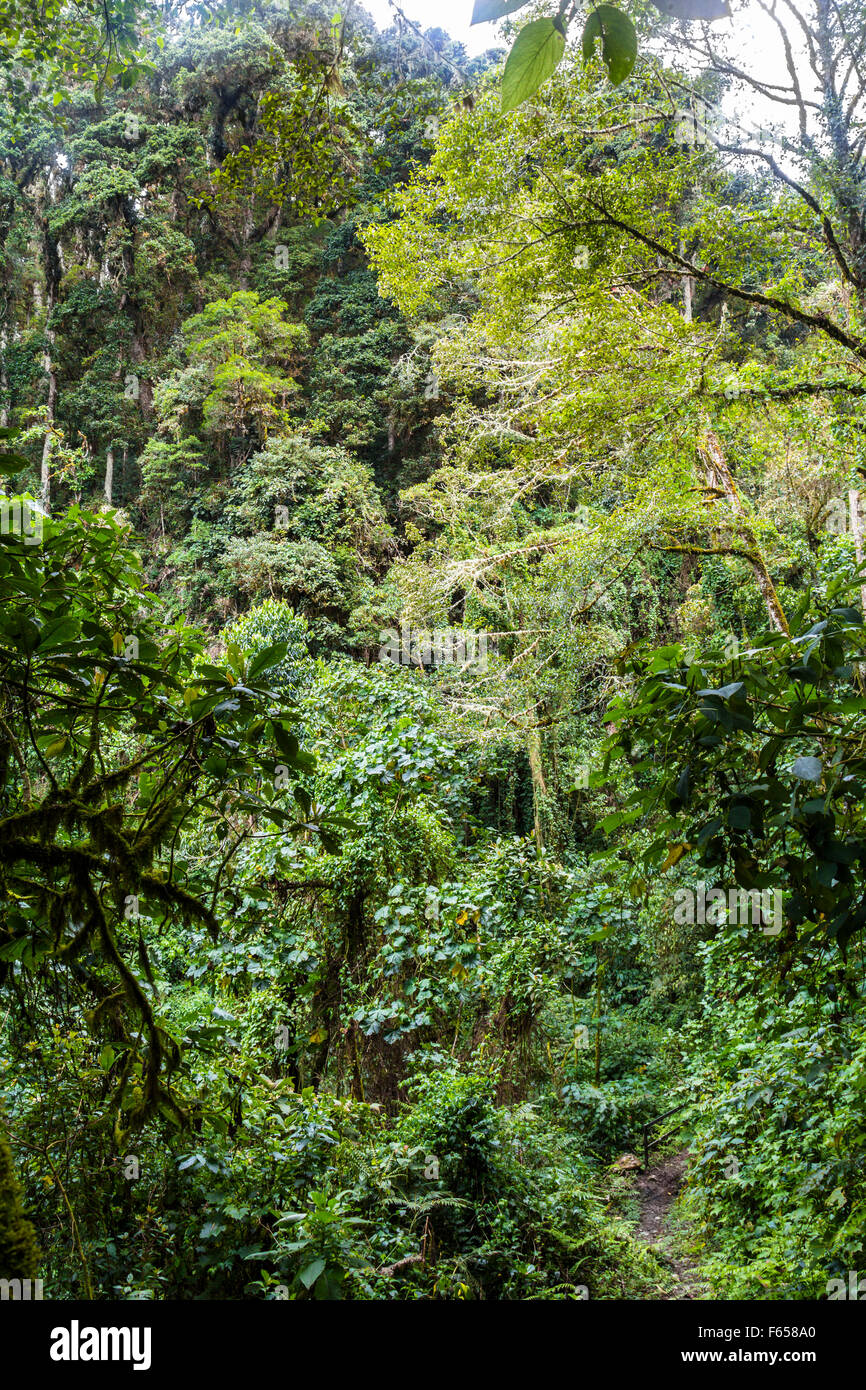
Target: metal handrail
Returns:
[[650, 1124]]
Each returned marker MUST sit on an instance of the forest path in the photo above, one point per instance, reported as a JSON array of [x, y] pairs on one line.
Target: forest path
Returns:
[[657, 1190]]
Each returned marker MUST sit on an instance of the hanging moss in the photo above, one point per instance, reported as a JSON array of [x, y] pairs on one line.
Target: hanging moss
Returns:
[[19, 1253]]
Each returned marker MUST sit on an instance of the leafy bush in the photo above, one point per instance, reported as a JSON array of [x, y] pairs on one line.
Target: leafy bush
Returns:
[[264, 626], [778, 1186]]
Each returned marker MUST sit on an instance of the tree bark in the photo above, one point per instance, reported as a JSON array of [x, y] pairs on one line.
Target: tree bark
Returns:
[[539, 786], [51, 263], [51, 402], [857, 533], [4, 380], [19, 1253], [688, 291], [109, 475]]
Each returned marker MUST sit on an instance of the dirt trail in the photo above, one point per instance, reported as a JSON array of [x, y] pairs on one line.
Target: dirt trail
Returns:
[[657, 1190]]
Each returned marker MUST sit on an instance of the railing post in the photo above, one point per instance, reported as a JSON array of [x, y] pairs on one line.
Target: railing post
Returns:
[[652, 1123]]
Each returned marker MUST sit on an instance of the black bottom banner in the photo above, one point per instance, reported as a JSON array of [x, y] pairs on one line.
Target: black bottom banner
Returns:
[[220, 1341]]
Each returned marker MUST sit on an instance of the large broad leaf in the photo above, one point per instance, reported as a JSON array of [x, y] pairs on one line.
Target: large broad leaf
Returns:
[[267, 659], [706, 10], [484, 11], [618, 41], [56, 633], [724, 692], [309, 1275], [850, 615], [13, 463], [537, 51]]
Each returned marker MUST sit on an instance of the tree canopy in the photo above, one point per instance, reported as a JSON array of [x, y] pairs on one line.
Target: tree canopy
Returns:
[[432, 655]]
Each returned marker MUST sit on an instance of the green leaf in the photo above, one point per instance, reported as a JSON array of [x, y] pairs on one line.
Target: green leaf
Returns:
[[851, 615], [536, 53], [682, 787], [309, 1275], [330, 843], [271, 656], [54, 746], [14, 950], [57, 633], [603, 932], [483, 11], [12, 463], [762, 1093], [618, 41], [287, 744], [728, 692]]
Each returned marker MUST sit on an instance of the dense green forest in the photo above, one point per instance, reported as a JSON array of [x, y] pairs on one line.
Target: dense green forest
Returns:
[[432, 658]]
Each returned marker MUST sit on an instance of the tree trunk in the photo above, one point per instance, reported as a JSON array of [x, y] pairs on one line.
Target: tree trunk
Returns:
[[845, 138], [109, 475], [857, 532], [539, 786], [52, 267], [51, 402], [4, 380], [688, 291], [19, 1253]]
